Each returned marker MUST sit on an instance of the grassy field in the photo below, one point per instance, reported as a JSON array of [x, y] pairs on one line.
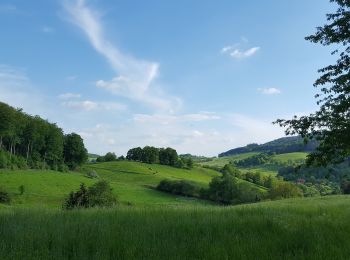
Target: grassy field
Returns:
[[221, 161], [132, 183], [267, 169], [317, 228]]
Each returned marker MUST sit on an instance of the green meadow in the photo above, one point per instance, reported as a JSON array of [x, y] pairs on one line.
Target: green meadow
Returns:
[[133, 183], [316, 228]]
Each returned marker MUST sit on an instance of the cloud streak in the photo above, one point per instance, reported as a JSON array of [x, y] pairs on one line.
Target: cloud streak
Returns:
[[270, 91], [236, 53], [135, 77]]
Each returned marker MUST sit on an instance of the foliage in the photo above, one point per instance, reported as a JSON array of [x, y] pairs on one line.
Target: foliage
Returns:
[[108, 157], [284, 190], [331, 123], [259, 159], [227, 190], [326, 180], [150, 154], [30, 141], [278, 146], [91, 174], [181, 187], [75, 153], [100, 194], [4, 196], [21, 189]]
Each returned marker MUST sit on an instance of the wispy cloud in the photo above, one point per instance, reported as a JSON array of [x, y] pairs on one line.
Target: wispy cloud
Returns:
[[167, 119], [73, 101], [269, 91], [236, 53], [69, 96], [88, 105], [135, 77]]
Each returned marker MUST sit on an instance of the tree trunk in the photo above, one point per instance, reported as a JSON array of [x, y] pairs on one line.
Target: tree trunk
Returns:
[[0, 142], [28, 146]]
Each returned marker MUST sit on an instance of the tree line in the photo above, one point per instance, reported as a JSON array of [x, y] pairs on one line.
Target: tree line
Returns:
[[30, 141], [165, 156]]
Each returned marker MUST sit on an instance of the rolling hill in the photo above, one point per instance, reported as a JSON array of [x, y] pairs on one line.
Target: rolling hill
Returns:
[[281, 145], [132, 182]]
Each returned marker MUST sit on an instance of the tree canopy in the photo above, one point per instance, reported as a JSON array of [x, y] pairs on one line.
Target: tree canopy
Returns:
[[331, 123], [31, 141]]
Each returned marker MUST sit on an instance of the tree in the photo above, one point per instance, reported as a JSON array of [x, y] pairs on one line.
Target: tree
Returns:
[[75, 153], [150, 154], [110, 157], [134, 154], [330, 125], [168, 156]]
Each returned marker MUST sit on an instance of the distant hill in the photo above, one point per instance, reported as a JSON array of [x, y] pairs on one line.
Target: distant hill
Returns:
[[281, 145]]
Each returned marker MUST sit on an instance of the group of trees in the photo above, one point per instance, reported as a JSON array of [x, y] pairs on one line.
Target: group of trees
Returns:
[[326, 180], [229, 188], [108, 157], [255, 160], [164, 156], [30, 141], [180, 187], [278, 146]]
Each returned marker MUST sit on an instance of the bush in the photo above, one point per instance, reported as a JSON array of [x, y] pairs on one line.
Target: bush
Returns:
[[21, 189], [100, 194], [182, 187], [284, 190], [4, 196], [227, 190], [92, 174]]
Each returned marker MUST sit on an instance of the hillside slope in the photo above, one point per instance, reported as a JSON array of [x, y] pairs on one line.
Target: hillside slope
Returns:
[[281, 145], [132, 182]]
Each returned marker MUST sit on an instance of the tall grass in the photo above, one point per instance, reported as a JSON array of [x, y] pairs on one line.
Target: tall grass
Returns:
[[290, 229]]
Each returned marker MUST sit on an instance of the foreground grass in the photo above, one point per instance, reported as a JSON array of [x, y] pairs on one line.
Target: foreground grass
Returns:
[[290, 229]]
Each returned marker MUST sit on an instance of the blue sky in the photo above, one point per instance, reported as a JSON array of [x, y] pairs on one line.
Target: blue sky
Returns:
[[199, 76]]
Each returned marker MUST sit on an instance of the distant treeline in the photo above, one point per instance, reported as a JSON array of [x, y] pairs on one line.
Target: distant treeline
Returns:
[[330, 179], [30, 141], [278, 146], [165, 156]]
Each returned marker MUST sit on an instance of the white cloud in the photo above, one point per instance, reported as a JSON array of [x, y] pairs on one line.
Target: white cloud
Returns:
[[135, 77], [88, 105], [269, 91], [69, 96], [238, 54], [168, 119]]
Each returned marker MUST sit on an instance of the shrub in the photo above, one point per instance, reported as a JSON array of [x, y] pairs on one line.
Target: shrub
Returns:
[[91, 174], [4, 196], [284, 190], [227, 190], [21, 189], [182, 187], [100, 194]]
